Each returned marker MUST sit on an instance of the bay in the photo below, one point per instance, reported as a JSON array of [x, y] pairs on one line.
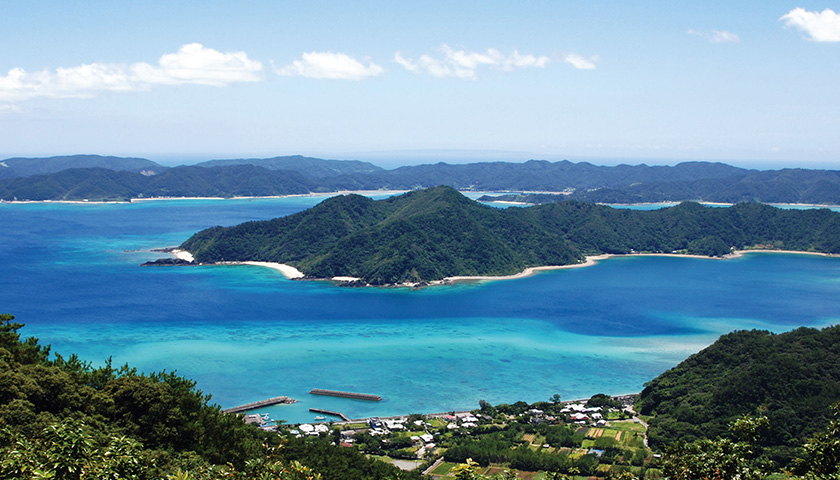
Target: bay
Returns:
[[71, 273]]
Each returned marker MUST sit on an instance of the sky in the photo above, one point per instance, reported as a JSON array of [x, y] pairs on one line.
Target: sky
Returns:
[[751, 83]]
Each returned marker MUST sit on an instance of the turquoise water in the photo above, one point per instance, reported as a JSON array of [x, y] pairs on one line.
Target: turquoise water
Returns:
[[71, 274]]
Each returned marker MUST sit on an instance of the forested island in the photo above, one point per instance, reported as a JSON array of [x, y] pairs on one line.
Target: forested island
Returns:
[[62, 418], [98, 178], [429, 235]]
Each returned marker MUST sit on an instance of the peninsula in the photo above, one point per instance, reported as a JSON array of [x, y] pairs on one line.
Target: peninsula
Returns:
[[436, 233]]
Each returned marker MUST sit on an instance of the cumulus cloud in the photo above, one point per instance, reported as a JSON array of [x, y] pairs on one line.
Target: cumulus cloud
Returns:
[[580, 62], [820, 26], [464, 64], [717, 36], [196, 64], [192, 64], [335, 66]]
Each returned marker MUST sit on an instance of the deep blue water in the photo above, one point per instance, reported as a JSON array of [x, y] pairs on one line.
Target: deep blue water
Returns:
[[71, 274]]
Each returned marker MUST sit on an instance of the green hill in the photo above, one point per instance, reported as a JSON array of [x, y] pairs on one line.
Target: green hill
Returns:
[[435, 233], [420, 236], [791, 378], [25, 167]]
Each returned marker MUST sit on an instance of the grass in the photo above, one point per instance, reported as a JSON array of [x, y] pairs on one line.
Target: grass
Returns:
[[628, 425], [443, 468], [354, 426]]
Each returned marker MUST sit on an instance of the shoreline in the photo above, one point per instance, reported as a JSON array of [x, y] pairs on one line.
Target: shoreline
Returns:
[[594, 259], [288, 271], [387, 192], [293, 273]]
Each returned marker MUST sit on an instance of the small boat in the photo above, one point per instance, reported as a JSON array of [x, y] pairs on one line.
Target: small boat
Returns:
[[320, 417]]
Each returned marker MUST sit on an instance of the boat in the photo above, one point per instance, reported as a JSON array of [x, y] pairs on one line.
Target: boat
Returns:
[[320, 417]]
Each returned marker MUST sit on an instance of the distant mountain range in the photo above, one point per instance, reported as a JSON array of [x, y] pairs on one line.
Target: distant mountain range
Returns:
[[430, 234], [94, 177]]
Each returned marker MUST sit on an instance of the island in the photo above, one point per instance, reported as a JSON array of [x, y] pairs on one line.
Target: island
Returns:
[[437, 233]]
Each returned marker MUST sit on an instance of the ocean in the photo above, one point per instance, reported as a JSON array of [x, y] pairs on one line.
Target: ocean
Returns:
[[71, 273]]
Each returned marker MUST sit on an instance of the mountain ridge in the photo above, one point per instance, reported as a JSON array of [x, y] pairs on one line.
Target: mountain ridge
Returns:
[[686, 181]]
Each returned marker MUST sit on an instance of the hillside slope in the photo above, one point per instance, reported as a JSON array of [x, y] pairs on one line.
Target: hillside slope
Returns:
[[25, 167], [792, 378], [420, 236], [436, 233]]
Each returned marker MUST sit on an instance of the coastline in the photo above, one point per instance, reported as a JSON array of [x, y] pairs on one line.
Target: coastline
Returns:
[[391, 192], [288, 271], [293, 273], [592, 260], [158, 199], [589, 261]]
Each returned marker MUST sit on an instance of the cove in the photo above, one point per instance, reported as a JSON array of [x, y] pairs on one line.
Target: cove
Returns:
[[71, 274]]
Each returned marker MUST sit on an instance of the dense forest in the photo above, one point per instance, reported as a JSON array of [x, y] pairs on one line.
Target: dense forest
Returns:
[[791, 379], [62, 418], [431, 234], [92, 177]]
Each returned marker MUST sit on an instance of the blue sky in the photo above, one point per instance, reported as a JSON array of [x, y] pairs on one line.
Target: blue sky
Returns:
[[746, 82]]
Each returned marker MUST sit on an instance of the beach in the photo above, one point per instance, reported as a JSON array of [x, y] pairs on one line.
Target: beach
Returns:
[[593, 259], [291, 272]]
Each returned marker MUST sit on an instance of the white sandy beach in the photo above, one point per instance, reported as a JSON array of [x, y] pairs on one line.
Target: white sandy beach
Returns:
[[592, 260], [287, 270], [182, 255]]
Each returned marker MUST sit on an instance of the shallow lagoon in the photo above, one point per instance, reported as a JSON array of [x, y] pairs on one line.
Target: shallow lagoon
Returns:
[[70, 272]]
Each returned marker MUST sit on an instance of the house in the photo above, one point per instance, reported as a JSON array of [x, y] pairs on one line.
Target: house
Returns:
[[394, 425], [374, 423], [254, 419]]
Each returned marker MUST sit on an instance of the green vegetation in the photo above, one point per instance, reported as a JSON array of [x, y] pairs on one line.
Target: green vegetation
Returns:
[[60, 418], [790, 378], [81, 177], [436, 233], [420, 236]]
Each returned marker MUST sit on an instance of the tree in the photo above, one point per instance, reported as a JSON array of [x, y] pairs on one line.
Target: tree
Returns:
[[720, 458], [821, 459]]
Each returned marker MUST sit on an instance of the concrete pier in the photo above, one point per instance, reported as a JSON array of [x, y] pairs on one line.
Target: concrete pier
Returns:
[[336, 393], [260, 404], [330, 412]]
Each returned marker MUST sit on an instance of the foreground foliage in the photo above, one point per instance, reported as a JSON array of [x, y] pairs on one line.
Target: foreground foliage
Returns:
[[61, 418], [791, 378]]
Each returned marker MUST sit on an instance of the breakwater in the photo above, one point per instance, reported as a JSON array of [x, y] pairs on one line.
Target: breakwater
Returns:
[[336, 393], [330, 412], [260, 404]]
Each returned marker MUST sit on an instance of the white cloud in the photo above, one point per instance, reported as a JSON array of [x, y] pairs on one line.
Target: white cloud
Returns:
[[336, 66], [580, 62], [464, 64], [820, 26], [192, 64], [717, 36], [196, 64]]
